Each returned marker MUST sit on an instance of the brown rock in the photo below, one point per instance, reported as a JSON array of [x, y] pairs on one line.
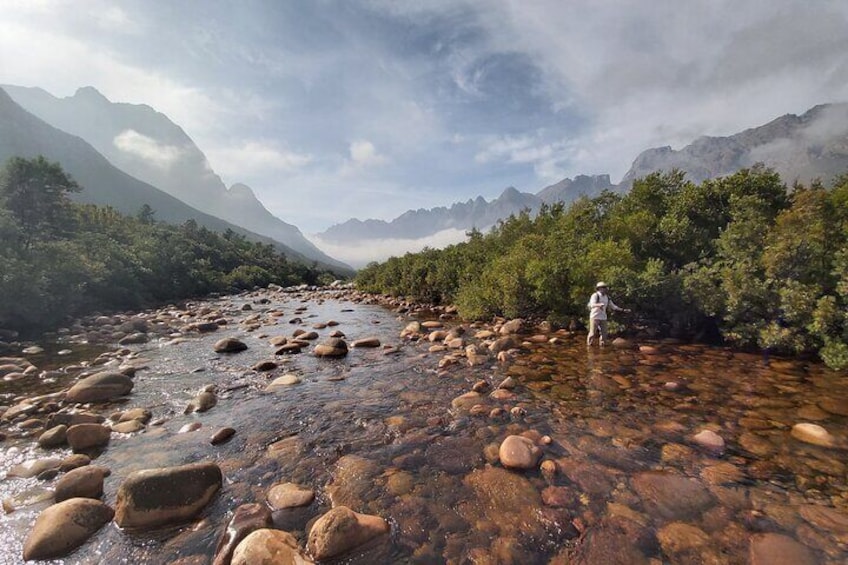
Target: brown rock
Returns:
[[341, 530], [82, 482], [222, 435], [679, 538], [63, 527], [229, 345], [777, 549], [269, 547], [517, 452], [366, 342], [54, 437], [289, 495], [100, 387], [157, 497], [85, 436], [246, 519], [333, 347], [672, 497]]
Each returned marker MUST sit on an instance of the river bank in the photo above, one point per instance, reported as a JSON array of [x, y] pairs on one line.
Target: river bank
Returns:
[[476, 443]]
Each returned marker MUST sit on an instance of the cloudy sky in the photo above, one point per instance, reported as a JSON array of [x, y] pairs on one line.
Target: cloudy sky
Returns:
[[337, 108]]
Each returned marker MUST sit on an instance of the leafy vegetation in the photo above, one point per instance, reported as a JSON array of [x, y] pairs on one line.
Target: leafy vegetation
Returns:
[[738, 257], [58, 258]]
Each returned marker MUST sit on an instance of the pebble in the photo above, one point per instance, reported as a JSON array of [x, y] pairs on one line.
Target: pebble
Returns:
[[517, 452], [814, 434], [222, 435], [709, 441]]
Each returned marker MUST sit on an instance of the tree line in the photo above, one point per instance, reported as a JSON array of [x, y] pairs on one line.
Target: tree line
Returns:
[[739, 258], [60, 259]]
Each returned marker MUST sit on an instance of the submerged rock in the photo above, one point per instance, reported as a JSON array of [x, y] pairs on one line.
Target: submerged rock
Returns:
[[777, 549], [87, 436], [158, 497], [269, 547], [672, 497], [289, 495], [63, 527], [814, 434], [341, 530], [518, 452]]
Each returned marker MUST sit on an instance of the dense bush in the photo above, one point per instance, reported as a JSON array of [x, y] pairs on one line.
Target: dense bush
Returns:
[[59, 259], [738, 257]]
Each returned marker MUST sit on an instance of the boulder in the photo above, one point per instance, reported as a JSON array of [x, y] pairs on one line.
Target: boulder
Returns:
[[512, 327], [333, 347], [100, 387], [341, 530], [518, 452], [33, 468], [504, 344], [85, 436], [63, 527], [82, 482], [157, 497], [229, 345], [269, 547], [246, 519]]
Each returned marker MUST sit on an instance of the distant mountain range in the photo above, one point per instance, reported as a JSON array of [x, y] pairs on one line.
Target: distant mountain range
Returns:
[[148, 146], [24, 135], [800, 148]]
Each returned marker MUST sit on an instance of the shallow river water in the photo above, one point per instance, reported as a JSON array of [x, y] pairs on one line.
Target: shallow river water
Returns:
[[384, 433]]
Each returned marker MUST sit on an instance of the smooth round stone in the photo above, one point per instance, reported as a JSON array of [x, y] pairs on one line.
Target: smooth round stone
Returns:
[[82, 482], [341, 530], [246, 519], [86, 436], [201, 403], [517, 452], [814, 434], [710, 441], [74, 462], [289, 495], [142, 415], [54, 437], [100, 387], [366, 342], [63, 527], [229, 345], [333, 347], [128, 427], [679, 537], [222, 435], [284, 381], [269, 547], [191, 427], [266, 365]]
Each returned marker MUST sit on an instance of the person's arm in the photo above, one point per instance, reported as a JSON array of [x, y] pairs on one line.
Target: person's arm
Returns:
[[616, 308]]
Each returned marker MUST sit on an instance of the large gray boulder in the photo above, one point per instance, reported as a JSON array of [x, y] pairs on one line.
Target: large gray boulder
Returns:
[[157, 497], [100, 387]]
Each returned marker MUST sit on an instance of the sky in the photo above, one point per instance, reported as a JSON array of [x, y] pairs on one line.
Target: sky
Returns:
[[332, 109]]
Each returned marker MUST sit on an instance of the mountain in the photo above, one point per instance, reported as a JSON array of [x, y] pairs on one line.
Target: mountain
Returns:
[[568, 190], [147, 145], [24, 135], [800, 148], [475, 213]]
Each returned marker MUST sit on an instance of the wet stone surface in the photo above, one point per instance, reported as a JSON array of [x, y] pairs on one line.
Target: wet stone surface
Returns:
[[664, 454]]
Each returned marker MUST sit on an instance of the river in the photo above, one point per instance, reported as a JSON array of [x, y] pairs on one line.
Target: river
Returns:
[[389, 432]]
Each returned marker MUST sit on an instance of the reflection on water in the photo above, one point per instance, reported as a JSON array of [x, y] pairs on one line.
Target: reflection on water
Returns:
[[378, 433]]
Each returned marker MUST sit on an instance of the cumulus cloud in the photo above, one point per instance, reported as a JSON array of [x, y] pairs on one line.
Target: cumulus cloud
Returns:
[[362, 252], [158, 154], [364, 154]]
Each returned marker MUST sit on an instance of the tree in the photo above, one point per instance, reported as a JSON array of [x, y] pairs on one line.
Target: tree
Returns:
[[35, 193]]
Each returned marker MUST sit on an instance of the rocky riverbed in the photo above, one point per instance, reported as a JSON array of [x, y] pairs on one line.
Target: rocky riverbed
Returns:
[[332, 426]]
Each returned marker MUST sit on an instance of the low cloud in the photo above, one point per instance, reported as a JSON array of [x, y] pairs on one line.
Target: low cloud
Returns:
[[360, 253], [253, 159], [157, 154]]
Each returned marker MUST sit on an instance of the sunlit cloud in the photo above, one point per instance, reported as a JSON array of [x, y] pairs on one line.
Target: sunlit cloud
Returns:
[[157, 154]]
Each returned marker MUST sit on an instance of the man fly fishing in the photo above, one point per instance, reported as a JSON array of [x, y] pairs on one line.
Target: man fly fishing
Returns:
[[598, 303]]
